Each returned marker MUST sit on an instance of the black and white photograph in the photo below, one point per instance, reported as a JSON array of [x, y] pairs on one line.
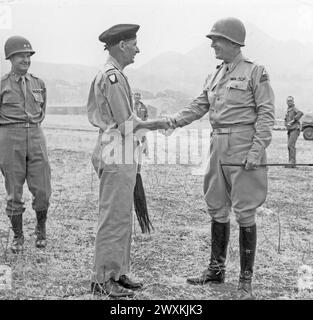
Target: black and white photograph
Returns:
[[156, 150]]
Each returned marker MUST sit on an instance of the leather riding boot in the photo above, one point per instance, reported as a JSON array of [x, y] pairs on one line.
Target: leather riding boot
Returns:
[[127, 283], [219, 242], [40, 229], [17, 227], [111, 288], [247, 243]]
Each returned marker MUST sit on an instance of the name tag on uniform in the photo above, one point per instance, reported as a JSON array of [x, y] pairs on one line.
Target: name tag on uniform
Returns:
[[38, 95]]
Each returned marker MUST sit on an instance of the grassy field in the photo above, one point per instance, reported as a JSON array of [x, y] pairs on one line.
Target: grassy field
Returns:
[[178, 247]]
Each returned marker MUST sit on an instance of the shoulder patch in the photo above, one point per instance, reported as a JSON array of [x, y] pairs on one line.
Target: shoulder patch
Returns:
[[264, 76], [113, 78]]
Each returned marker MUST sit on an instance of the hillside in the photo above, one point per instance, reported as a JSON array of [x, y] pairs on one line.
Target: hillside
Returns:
[[290, 65]]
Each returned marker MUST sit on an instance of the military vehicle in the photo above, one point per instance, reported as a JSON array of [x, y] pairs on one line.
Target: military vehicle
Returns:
[[307, 126]]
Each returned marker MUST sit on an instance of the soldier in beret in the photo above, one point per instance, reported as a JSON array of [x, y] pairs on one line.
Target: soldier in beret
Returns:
[[110, 108], [23, 151]]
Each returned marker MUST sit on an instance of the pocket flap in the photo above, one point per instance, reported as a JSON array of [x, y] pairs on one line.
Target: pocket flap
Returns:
[[240, 85]]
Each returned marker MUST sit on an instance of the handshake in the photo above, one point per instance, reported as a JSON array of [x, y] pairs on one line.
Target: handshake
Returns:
[[165, 125]]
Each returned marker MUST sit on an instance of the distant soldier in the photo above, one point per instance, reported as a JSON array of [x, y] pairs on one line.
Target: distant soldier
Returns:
[[140, 108], [142, 112], [23, 151], [292, 124]]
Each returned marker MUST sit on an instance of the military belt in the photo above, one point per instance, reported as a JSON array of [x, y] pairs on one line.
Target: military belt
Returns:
[[231, 129], [20, 125]]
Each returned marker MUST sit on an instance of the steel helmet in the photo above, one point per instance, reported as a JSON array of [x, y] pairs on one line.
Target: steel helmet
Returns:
[[17, 44], [229, 28]]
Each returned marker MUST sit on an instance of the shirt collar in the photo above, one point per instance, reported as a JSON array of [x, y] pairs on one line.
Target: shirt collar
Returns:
[[17, 77], [114, 62], [231, 65]]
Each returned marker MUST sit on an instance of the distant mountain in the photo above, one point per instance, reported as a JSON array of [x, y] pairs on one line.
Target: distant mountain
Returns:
[[290, 66], [66, 72]]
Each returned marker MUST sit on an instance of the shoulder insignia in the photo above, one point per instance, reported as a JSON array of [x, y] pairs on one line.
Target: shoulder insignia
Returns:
[[33, 76], [264, 76], [249, 60], [113, 78]]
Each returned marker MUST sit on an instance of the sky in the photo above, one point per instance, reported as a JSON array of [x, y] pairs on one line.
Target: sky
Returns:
[[66, 31]]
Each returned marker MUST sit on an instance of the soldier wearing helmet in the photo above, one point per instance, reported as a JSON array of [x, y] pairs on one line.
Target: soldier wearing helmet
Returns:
[[23, 151], [292, 124], [240, 102]]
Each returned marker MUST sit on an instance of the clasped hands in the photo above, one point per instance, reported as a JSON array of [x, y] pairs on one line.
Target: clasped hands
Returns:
[[167, 126]]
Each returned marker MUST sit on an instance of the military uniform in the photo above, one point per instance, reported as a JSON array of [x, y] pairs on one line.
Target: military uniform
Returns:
[[110, 106], [142, 112], [23, 151], [240, 102], [293, 126]]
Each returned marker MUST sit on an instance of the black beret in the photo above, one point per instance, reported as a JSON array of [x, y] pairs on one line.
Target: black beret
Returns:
[[119, 32]]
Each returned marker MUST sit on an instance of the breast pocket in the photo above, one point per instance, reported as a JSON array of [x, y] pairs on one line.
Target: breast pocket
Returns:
[[39, 99], [237, 91], [10, 98]]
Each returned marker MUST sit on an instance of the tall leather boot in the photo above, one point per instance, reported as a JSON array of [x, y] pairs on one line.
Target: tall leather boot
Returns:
[[40, 229], [247, 243], [17, 227], [219, 241]]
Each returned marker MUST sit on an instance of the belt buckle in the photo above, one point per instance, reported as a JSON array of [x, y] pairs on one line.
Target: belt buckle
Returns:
[[27, 125]]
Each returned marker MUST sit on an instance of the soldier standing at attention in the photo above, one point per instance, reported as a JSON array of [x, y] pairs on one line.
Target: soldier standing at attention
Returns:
[[292, 124], [23, 151], [240, 102], [110, 108]]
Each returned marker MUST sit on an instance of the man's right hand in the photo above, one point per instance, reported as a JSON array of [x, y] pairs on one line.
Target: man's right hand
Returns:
[[160, 123], [164, 123]]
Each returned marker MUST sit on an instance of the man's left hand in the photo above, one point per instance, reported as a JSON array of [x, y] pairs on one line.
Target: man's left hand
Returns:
[[250, 164]]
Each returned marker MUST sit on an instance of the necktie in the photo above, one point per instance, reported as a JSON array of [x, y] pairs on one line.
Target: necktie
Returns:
[[23, 82]]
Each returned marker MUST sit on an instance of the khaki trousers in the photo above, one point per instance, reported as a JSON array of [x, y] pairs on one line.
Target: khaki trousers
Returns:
[[227, 187]]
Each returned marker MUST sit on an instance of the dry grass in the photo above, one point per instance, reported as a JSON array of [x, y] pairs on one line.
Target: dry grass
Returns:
[[180, 244]]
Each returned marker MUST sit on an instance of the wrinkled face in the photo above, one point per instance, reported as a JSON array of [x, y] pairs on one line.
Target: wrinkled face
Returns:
[[290, 102], [20, 62], [130, 50], [224, 49]]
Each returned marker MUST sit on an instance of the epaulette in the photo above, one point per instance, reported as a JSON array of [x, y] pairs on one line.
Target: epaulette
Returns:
[[33, 76], [108, 67], [6, 76], [249, 61]]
